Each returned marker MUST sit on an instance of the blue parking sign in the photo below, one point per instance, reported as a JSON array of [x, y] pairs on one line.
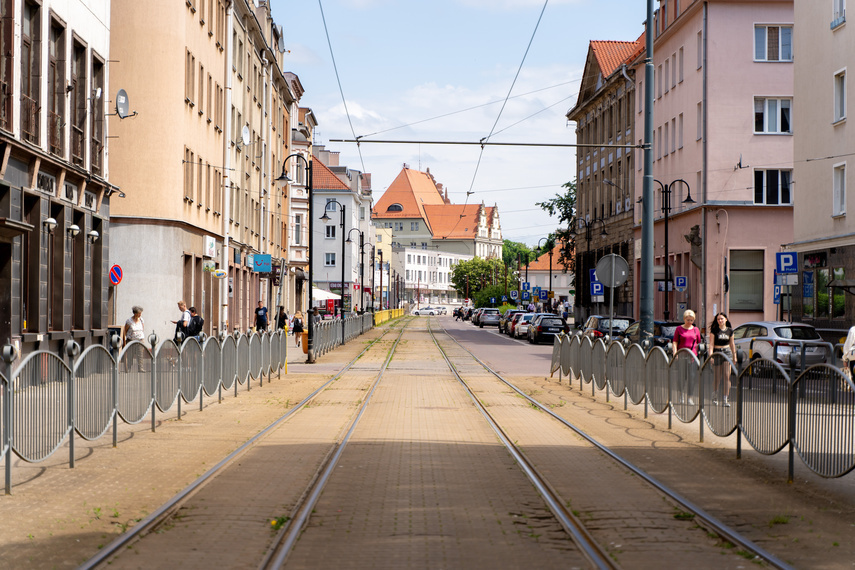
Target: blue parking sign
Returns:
[[786, 262], [514, 294], [526, 295], [597, 289], [543, 294]]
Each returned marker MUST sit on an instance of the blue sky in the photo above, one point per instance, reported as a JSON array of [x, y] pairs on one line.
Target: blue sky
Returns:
[[440, 70]]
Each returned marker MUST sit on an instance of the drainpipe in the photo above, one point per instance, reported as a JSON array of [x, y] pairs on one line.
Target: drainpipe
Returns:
[[704, 166], [227, 199]]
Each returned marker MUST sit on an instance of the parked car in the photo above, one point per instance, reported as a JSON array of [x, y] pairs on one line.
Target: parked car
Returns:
[[489, 317], [545, 327], [755, 339], [426, 310], [505, 320], [663, 332], [598, 325], [521, 325], [512, 323], [476, 314]]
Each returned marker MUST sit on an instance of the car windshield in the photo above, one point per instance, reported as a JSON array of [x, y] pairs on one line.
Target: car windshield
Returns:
[[527, 318], [491, 311], [617, 324], [798, 333]]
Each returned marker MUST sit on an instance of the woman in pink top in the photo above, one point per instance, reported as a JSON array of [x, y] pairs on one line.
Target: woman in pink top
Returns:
[[687, 335]]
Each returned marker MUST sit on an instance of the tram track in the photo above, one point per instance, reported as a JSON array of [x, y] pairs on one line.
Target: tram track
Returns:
[[595, 552], [288, 532]]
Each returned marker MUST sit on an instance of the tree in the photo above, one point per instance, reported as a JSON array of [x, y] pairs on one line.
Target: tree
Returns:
[[513, 250], [474, 275], [564, 206]]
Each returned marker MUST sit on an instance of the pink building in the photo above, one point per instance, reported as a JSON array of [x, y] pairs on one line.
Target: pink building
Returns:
[[723, 134]]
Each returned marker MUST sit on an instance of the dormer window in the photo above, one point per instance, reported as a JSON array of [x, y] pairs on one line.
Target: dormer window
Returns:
[[395, 208]]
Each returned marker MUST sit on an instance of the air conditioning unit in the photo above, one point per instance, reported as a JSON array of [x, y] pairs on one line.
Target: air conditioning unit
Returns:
[[627, 204], [618, 207]]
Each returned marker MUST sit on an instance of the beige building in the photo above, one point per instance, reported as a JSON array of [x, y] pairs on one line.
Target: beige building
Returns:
[[198, 162], [824, 231]]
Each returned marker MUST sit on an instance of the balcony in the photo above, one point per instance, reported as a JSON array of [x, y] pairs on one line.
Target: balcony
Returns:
[[29, 120], [6, 106], [55, 134], [77, 145], [97, 157]]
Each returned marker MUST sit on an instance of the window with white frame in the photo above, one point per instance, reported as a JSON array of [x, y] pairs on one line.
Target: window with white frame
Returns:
[[680, 131], [773, 43], [414, 226], [746, 280], [329, 259], [839, 194], [838, 15], [298, 229], [772, 116], [331, 205], [700, 121], [840, 95], [680, 56], [773, 187], [330, 232], [700, 49], [399, 226]]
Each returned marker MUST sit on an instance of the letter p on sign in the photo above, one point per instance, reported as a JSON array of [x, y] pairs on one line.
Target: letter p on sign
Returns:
[[786, 262]]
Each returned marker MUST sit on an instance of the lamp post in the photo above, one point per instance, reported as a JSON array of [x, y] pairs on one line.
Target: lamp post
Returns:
[[381, 278], [281, 182], [361, 264], [666, 211], [326, 218], [589, 226], [548, 241]]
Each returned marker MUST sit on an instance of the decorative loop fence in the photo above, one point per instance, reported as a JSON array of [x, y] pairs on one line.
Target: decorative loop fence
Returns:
[[809, 411], [44, 401]]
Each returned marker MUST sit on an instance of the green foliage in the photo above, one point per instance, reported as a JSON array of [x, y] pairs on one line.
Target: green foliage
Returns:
[[513, 251], [482, 297], [478, 273], [564, 206]]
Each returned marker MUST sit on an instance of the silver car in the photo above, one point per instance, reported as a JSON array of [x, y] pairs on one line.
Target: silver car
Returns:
[[489, 317], [755, 340]]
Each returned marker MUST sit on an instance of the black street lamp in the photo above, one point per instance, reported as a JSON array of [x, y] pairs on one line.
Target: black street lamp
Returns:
[[361, 264], [666, 211], [380, 252], [326, 218], [282, 181]]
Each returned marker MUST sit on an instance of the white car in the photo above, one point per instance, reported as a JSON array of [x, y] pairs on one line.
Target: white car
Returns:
[[425, 311]]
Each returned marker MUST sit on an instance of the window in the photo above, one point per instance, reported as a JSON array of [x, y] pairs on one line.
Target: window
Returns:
[[298, 229], [329, 260], [772, 187], [331, 205], [700, 121], [773, 43], [667, 74], [189, 77], [361, 213], [56, 88], [659, 82], [398, 226], [839, 194], [680, 59], [839, 13], [395, 208], [96, 158], [772, 116], [379, 239], [414, 226], [746, 280], [839, 96], [329, 232], [30, 71], [830, 302], [79, 96], [680, 131], [700, 49]]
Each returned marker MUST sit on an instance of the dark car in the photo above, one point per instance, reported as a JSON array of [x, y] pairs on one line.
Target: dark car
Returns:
[[545, 327], [663, 332], [505, 320], [488, 317], [598, 325]]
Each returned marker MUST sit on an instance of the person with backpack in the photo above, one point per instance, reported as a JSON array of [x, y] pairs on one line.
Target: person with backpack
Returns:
[[183, 322], [298, 327], [196, 323]]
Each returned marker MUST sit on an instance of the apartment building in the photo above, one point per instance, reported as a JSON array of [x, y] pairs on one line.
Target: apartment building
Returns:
[[54, 170], [722, 153], [605, 177], [199, 160], [426, 274], [824, 227]]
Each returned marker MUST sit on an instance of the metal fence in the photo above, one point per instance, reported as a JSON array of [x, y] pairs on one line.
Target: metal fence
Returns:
[[44, 401], [808, 411]]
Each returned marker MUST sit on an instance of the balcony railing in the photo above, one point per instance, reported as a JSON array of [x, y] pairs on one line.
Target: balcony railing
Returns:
[[97, 157], [55, 133], [6, 106], [77, 145], [29, 119]]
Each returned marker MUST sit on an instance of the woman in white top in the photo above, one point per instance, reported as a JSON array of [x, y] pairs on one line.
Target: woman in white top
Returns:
[[134, 328], [849, 351]]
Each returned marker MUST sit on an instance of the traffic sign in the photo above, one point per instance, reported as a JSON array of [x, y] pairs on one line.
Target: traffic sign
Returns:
[[681, 283], [536, 291], [543, 293], [526, 286], [777, 294], [514, 294], [612, 270], [597, 289], [526, 295], [504, 298], [786, 262], [116, 274]]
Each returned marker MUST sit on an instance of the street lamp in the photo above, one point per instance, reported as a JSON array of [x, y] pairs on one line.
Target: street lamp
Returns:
[[380, 253], [326, 218], [282, 181], [361, 264], [589, 226], [549, 242], [666, 210]]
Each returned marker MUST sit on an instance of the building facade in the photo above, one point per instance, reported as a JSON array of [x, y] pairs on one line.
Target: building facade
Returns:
[[54, 170]]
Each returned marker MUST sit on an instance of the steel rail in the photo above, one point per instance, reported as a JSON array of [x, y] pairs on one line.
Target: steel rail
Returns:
[[169, 507], [719, 527], [289, 534], [589, 546]]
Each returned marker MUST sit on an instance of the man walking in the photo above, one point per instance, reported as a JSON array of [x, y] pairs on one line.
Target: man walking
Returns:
[[183, 321], [261, 317]]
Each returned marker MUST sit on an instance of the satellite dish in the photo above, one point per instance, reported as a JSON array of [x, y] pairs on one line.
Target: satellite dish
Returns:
[[281, 43], [244, 135], [122, 104]]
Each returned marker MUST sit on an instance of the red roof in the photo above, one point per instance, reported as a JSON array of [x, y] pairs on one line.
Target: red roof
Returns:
[[456, 221], [412, 190], [611, 54], [325, 179], [542, 262]]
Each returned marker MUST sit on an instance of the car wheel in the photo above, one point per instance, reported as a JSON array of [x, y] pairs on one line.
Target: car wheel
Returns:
[[482, 326]]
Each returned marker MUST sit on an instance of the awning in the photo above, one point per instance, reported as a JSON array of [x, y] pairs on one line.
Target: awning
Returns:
[[847, 285], [321, 295]]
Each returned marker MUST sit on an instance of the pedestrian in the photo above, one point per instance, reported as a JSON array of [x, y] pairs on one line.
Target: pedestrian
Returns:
[[194, 329], [282, 320], [261, 317], [134, 328], [849, 351], [688, 336], [182, 322], [316, 315], [721, 339], [298, 327]]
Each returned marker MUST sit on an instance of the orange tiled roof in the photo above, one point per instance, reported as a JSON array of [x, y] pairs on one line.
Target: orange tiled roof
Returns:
[[413, 190], [542, 262], [325, 179], [611, 54], [455, 221]]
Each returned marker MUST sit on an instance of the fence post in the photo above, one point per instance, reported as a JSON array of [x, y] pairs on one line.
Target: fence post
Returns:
[[739, 413], [9, 355], [152, 340], [202, 378], [701, 404], [72, 349], [221, 342], [114, 343], [791, 433]]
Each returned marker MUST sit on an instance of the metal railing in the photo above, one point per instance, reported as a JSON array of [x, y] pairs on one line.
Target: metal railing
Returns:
[[29, 119], [809, 411], [45, 402]]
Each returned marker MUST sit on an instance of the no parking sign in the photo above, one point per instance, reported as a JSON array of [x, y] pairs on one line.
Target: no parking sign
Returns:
[[116, 274]]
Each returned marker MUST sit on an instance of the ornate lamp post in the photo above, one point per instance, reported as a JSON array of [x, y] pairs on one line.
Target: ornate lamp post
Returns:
[[361, 264], [666, 211]]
